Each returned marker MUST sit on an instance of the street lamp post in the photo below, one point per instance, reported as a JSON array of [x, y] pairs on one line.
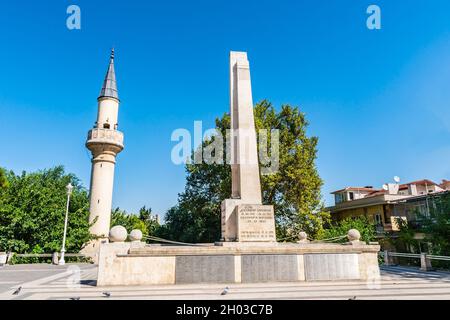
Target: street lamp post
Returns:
[[63, 249]]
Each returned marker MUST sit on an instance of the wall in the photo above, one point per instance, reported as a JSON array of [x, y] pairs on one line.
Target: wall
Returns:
[[368, 212], [121, 264]]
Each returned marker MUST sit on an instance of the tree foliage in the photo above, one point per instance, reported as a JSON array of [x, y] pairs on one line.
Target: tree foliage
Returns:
[[405, 239], [366, 228], [32, 212], [143, 221], [3, 178], [436, 226], [294, 190]]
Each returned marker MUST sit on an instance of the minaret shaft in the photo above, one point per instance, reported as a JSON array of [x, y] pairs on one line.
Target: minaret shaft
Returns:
[[102, 181], [105, 142]]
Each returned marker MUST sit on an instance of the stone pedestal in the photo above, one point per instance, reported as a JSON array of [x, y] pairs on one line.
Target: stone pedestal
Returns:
[[255, 223], [247, 222], [425, 263], [125, 264], [55, 258], [91, 249], [229, 220]]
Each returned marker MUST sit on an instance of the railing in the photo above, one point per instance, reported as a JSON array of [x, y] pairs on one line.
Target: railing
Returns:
[[105, 136], [33, 255], [380, 229], [54, 256], [425, 259], [442, 258], [404, 255]]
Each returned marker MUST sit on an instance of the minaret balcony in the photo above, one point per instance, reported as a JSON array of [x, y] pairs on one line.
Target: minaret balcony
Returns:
[[105, 137]]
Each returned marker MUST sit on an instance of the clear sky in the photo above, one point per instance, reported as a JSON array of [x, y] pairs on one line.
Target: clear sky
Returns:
[[379, 100]]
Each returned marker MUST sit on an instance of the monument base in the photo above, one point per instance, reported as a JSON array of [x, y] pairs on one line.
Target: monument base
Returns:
[[92, 249], [140, 264], [243, 222], [229, 220], [244, 244]]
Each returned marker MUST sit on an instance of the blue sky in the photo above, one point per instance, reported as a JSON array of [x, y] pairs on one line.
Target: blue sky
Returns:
[[379, 101]]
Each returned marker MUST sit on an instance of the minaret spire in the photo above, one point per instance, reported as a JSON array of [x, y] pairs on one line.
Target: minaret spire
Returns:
[[109, 88]]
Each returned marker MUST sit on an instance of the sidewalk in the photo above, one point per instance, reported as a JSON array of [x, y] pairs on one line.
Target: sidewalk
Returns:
[[78, 281]]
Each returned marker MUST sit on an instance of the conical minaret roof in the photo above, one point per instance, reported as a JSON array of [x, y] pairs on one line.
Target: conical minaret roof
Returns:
[[109, 88]]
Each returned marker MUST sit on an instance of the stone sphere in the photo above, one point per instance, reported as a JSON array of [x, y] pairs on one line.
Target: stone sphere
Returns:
[[118, 234], [136, 235], [353, 235], [303, 236]]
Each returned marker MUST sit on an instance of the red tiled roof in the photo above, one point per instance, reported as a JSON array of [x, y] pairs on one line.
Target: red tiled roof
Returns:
[[418, 182], [401, 187], [444, 183], [376, 193]]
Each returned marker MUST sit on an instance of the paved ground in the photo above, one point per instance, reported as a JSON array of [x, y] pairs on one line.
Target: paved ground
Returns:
[[78, 281]]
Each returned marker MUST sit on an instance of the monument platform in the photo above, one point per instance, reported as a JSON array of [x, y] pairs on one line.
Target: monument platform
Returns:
[[140, 264], [249, 252]]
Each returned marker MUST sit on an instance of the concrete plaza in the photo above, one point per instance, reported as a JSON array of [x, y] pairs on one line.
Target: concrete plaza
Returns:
[[42, 282]]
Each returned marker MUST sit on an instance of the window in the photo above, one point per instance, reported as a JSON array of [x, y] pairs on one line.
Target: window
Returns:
[[351, 196], [338, 198], [378, 220], [421, 210], [106, 126], [387, 213]]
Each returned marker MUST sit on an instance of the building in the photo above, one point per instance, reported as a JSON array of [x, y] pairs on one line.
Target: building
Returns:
[[409, 202]]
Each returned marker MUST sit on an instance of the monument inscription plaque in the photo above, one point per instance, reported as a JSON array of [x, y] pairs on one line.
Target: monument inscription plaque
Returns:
[[256, 223]]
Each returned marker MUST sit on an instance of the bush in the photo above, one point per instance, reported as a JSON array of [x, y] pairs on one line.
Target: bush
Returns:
[[341, 228]]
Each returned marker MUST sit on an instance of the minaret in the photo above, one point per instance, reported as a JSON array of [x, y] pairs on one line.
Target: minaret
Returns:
[[105, 142]]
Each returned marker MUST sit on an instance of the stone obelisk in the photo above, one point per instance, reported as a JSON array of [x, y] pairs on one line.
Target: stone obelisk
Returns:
[[244, 165], [244, 218]]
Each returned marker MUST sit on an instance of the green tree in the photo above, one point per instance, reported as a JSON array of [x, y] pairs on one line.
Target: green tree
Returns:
[[366, 228], [3, 178], [436, 226], [405, 240], [150, 221], [294, 190], [143, 221], [32, 212]]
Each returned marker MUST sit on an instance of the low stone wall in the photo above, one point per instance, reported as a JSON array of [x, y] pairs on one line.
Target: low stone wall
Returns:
[[140, 264]]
